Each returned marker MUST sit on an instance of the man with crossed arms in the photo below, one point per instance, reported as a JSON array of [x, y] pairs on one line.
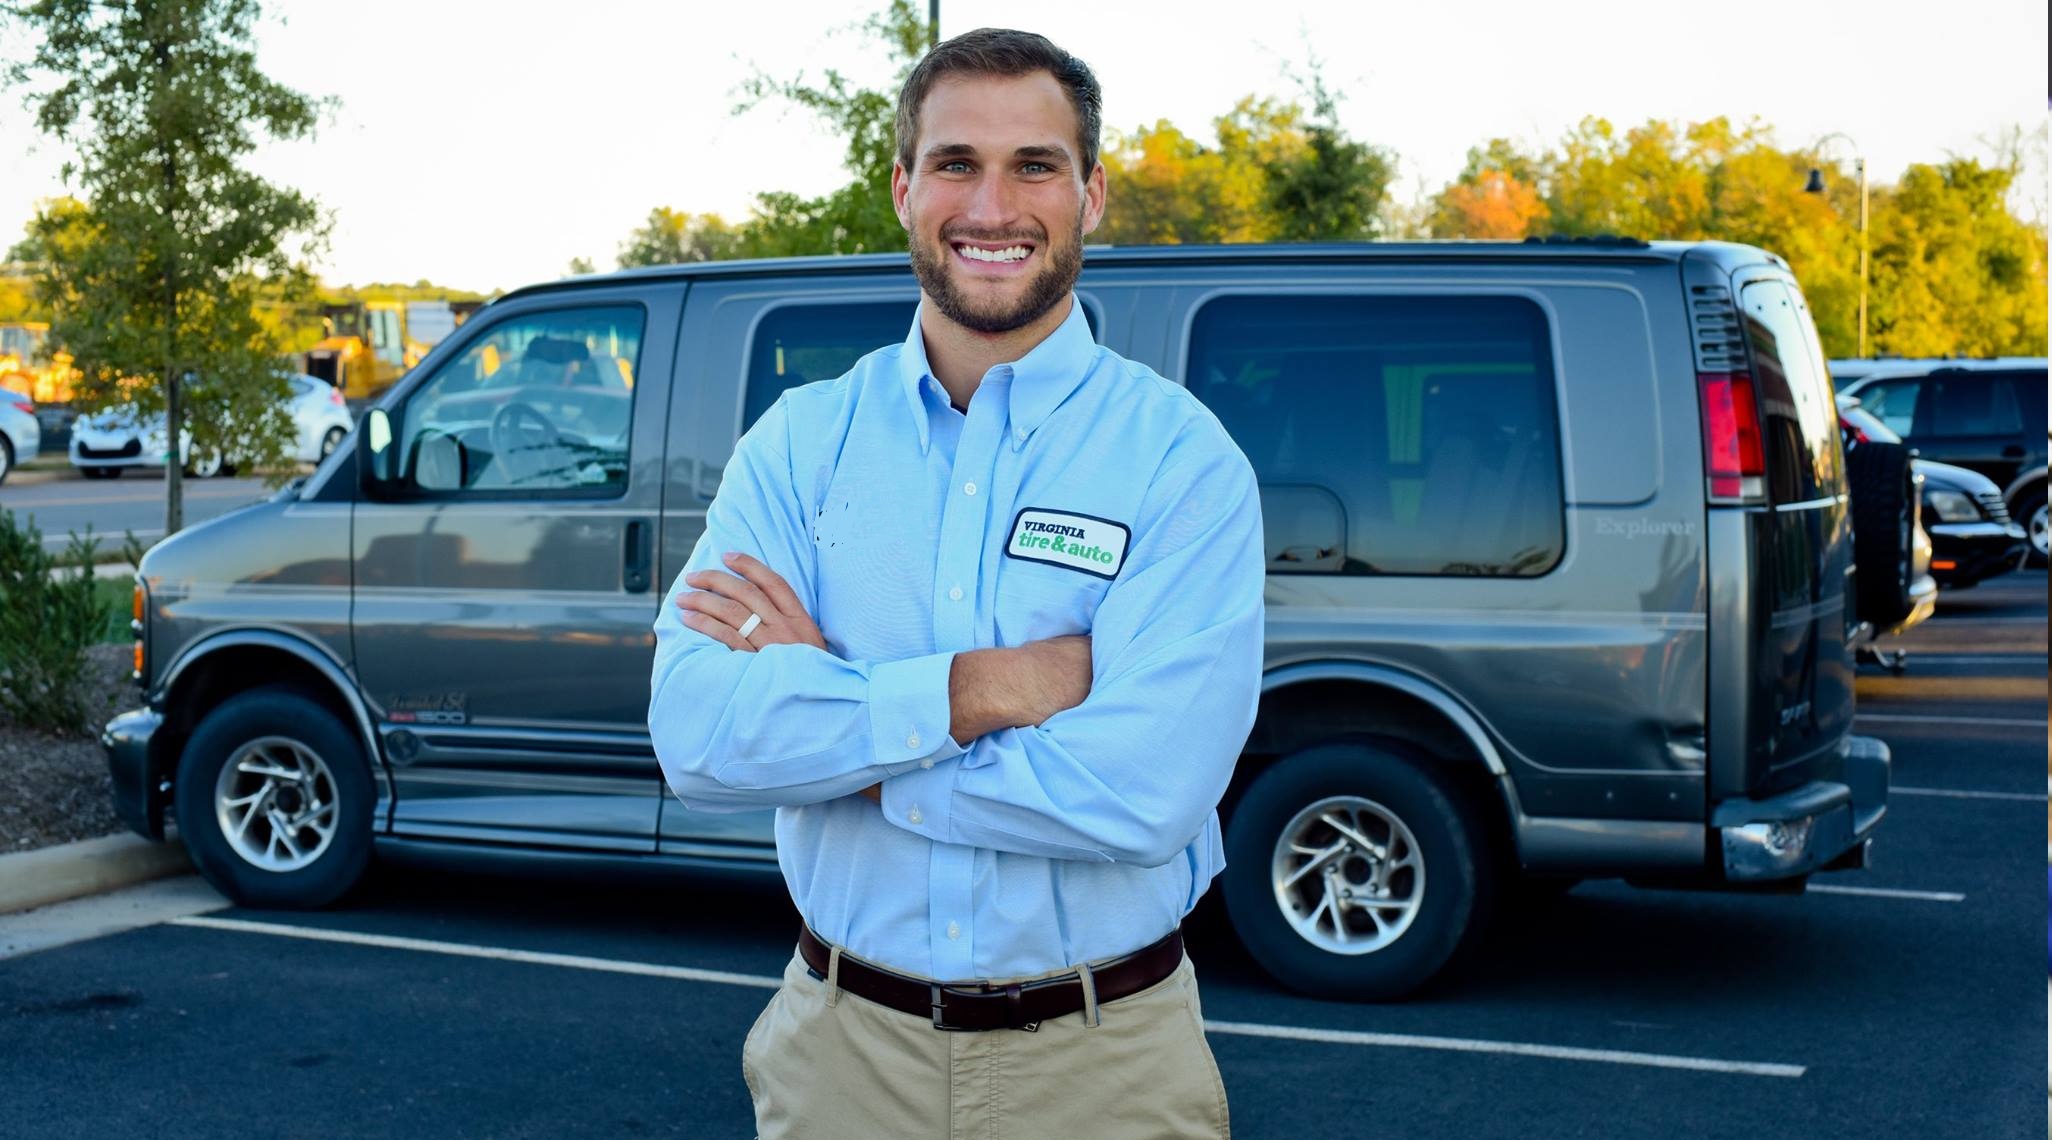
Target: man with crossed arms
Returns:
[[982, 620]]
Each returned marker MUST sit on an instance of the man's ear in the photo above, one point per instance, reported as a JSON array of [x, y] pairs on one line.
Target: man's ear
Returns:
[[901, 185], [1093, 199]]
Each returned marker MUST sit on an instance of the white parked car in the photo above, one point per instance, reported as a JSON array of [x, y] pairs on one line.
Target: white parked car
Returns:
[[20, 436], [105, 444]]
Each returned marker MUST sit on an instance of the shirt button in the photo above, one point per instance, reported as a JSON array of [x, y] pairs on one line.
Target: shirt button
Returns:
[[912, 741], [913, 816], [954, 931], [955, 595], [926, 763], [968, 488]]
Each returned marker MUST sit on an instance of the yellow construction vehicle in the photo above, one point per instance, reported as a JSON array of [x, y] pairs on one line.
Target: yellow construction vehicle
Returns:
[[24, 369], [366, 346]]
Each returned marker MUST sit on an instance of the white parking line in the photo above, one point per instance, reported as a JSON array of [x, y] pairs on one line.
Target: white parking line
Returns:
[[465, 950], [1911, 718], [1511, 1048], [1245, 1029], [1963, 794], [1886, 893]]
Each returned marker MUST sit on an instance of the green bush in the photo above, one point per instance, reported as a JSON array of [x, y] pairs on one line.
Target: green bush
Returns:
[[47, 620]]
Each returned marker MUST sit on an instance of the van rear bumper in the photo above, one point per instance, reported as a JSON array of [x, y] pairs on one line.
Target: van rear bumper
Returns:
[[1805, 828]]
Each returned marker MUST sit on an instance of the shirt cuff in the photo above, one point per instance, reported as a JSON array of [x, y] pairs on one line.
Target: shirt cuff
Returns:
[[909, 712], [919, 801]]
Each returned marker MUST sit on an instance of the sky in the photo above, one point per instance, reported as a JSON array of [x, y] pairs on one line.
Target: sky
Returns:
[[485, 146]]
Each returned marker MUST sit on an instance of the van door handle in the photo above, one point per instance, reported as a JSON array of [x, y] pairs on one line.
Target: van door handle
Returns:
[[640, 552]]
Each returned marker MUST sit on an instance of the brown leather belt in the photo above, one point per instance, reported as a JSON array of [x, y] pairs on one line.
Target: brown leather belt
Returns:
[[981, 1006]]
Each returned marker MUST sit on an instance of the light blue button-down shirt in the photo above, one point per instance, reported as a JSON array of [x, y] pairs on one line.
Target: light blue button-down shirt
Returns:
[[1080, 493]]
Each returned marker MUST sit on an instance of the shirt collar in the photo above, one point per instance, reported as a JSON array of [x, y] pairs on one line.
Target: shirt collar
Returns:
[[1041, 379]]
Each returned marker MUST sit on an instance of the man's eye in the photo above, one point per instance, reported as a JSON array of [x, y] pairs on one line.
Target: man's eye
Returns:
[[1038, 168], [956, 166]]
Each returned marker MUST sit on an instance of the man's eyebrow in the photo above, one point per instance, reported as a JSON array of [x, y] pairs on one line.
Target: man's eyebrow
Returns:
[[942, 151]]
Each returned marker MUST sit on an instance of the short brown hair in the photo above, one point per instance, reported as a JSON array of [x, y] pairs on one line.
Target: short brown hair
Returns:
[[1003, 51]]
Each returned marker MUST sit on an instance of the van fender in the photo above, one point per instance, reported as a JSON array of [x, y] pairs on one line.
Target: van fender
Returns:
[[1409, 684], [314, 656]]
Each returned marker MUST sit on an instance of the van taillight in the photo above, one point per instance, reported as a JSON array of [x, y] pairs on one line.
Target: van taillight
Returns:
[[1733, 460]]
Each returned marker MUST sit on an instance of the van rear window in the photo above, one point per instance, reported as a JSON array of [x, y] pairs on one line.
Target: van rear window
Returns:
[[1798, 417], [1390, 435]]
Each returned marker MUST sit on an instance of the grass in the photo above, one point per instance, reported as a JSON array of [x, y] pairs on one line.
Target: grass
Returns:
[[117, 599]]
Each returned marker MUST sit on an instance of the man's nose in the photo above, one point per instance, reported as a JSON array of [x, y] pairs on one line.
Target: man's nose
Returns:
[[991, 204]]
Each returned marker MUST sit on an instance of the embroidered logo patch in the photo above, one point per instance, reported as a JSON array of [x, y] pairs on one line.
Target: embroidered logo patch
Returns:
[[1078, 542]]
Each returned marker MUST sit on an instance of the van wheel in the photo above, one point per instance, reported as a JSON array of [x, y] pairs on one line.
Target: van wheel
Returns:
[[1355, 870], [1885, 513], [6, 459], [2029, 509], [273, 800]]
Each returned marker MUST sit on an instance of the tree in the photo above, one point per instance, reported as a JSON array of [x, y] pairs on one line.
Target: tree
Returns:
[[156, 276], [581, 266], [859, 217], [1331, 186], [672, 237]]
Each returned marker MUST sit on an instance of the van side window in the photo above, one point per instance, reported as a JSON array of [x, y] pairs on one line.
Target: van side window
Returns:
[[1798, 425], [798, 344], [1391, 435], [540, 404]]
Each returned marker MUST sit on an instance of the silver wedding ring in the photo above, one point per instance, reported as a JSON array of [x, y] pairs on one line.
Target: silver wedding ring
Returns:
[[748, 627]]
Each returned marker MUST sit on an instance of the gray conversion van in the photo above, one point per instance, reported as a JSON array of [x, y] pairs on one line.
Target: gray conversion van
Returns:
[[1559, 569]]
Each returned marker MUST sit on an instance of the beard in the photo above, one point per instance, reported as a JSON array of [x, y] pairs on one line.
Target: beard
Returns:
[[932, 263]]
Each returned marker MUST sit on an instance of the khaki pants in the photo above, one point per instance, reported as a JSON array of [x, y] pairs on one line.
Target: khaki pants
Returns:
[[849, 1069]]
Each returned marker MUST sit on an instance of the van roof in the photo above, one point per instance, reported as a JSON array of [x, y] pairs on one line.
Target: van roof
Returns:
[[1551, 250]]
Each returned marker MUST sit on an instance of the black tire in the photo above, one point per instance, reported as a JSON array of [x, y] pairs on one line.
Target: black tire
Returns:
[[6, 458], [2025, 510], [275, 711], [100, 472], [1451, 840], [1886, 512]]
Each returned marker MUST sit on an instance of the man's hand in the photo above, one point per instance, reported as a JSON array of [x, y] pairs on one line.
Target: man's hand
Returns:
[[718, 606]]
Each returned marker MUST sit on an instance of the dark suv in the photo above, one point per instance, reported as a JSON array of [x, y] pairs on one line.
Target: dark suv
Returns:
[[1984, 415], [1558, 552]]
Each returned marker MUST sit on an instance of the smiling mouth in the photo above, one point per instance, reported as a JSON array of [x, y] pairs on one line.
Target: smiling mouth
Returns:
[[992, 253]]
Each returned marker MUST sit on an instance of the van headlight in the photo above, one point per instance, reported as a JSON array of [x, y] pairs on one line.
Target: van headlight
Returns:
[[1951, 506]]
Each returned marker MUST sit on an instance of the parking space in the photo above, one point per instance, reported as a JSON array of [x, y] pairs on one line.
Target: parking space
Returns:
[[1883, 1002]]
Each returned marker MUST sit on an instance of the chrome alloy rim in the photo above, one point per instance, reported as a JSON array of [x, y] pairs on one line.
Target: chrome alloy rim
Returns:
[[1348, 875], [275, 803], [2038, 529]]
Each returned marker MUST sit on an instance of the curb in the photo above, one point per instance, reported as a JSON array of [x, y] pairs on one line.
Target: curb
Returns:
[[88, 867], [35, 476]]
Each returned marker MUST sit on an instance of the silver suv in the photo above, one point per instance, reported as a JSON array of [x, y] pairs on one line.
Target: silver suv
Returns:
[[1559, 568]]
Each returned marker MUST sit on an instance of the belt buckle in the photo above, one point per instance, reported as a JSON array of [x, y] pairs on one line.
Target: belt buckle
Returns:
[[939, 1020], [934, 995]]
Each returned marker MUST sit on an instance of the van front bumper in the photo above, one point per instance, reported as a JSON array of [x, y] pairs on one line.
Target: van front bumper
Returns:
[[1806, 828], [138, 792]]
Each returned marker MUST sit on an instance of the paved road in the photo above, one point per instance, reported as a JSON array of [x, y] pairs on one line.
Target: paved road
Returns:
[[1897, 1001], [135, 501]]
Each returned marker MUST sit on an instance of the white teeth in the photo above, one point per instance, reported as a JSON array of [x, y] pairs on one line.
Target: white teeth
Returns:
[[975, 253]]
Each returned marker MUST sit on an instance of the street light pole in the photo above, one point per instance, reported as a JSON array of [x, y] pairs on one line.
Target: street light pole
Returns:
[[1816, 186], [1859, 164], [932, 23]]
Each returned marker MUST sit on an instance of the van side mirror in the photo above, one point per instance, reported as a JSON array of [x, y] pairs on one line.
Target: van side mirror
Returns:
[[377, 458]]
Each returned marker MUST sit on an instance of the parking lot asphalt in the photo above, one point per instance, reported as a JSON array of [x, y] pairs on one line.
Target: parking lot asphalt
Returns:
[[1898, 1000]]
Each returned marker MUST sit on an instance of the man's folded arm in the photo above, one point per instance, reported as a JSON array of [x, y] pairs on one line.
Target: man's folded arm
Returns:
[[1133, 773], [790, 724]]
